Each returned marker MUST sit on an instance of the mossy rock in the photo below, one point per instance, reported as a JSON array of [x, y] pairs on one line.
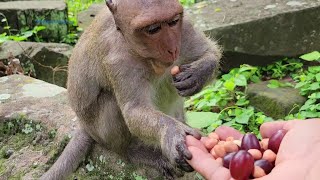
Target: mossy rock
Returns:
[[274, 102]]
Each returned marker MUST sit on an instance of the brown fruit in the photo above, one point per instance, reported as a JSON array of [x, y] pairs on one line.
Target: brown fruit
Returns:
[[256, 154], [210, 143], [230, 146], [269, 155], [175, 70], [213, 135], [219, 150]]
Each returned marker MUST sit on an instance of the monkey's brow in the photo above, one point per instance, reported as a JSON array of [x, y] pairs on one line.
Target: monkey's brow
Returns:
[[144, 21]]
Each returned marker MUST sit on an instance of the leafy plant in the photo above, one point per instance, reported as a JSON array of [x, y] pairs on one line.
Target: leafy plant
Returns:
[[225, 103], [24, 35]]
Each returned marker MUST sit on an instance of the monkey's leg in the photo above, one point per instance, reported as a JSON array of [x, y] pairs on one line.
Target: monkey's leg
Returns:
[[70, 158], [141, 154]]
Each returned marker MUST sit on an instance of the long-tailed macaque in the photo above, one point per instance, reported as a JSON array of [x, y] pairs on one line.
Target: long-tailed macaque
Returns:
[[122, 91]]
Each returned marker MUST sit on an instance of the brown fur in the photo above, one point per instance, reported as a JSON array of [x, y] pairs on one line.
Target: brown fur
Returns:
[[118, 93]]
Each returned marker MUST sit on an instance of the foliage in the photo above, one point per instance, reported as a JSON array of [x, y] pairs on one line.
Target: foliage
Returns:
[[187, 2], [24, 35], [225, 103], [19, 125], [309, 84]]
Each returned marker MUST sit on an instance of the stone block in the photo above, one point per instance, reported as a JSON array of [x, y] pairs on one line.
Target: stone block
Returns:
[[50, 60], [276, 103], [28, 14], [258, 32]]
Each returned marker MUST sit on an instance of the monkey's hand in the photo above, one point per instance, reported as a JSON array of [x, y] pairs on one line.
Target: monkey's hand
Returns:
[[191, 78], [173, 144]]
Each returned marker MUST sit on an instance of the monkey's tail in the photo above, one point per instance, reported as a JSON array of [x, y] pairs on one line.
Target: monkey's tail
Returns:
[[70, 158]]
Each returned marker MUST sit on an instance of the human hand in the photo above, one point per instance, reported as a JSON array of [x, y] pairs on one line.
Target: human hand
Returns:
[[297, 157]]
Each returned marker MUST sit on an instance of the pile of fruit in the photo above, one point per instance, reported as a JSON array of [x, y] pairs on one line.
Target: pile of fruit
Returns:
[[246, 158]]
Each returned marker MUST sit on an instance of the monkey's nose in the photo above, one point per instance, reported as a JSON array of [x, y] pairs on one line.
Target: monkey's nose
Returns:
[[173, 54]]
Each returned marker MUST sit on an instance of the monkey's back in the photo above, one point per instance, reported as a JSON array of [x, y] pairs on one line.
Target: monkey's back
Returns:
[[89, 90]]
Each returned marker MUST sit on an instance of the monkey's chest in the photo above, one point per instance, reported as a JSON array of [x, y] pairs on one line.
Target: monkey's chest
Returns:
[[165, 96]]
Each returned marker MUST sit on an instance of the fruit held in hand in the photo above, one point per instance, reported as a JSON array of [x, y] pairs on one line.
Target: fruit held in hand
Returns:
[[175, 70], [241, 165], [250, 141], [265, 165], [275, 140], [227, 158]]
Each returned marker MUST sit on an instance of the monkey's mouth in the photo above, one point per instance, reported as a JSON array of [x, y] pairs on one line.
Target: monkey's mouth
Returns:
[[160, 66]]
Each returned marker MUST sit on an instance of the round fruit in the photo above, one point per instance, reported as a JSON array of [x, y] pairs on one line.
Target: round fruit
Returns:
[[241, 165], [275, 140], [250, 141]]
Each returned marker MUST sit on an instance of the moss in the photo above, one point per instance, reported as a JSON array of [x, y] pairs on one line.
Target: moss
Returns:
[[55, 152], [104, 168], [2, 166]]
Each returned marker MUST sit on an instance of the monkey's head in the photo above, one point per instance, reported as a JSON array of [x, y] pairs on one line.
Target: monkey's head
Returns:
[[152, 28]]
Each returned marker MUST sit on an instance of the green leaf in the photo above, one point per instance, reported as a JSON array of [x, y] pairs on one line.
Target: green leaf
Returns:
[[27, 34], [38, 28], [313, 56], [315, 86], [246, 67], [214, 125], [201, 119], [242, 101], [230, 85], [255, 79], [245, 116], [273, 84], [3, 20], [240, 80], [89, 167], [318, 77]]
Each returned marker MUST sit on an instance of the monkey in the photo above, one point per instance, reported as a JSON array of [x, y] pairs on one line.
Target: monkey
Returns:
[[120, 86]]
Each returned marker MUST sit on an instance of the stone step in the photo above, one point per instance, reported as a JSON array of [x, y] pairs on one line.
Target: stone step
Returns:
[[52, 14], [49, 60], [250, 31]]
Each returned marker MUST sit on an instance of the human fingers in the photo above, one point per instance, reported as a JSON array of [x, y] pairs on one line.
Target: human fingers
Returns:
[[226, 131], [269, 128], [191, 141], [205, 164]]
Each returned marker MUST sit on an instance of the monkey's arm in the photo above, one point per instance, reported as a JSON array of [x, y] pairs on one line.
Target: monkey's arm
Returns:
[[200, 60], [133, 93]]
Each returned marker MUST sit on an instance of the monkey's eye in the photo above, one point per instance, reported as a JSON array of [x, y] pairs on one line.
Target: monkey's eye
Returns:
[[174, 21], [153, 29]]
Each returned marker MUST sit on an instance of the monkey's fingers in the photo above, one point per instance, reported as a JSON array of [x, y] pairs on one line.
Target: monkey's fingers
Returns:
[[185, 84], [184, 165], [189, 92], [184, 67], [195, 133], [182, 76], [183, 150]]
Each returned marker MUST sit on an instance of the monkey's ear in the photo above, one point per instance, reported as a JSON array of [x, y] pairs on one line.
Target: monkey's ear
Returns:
[[111, 5]]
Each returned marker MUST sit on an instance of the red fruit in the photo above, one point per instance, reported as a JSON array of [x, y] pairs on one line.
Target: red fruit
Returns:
[[227, 158], [241, 165], [275, 140], [265, 165], [250, 141]]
